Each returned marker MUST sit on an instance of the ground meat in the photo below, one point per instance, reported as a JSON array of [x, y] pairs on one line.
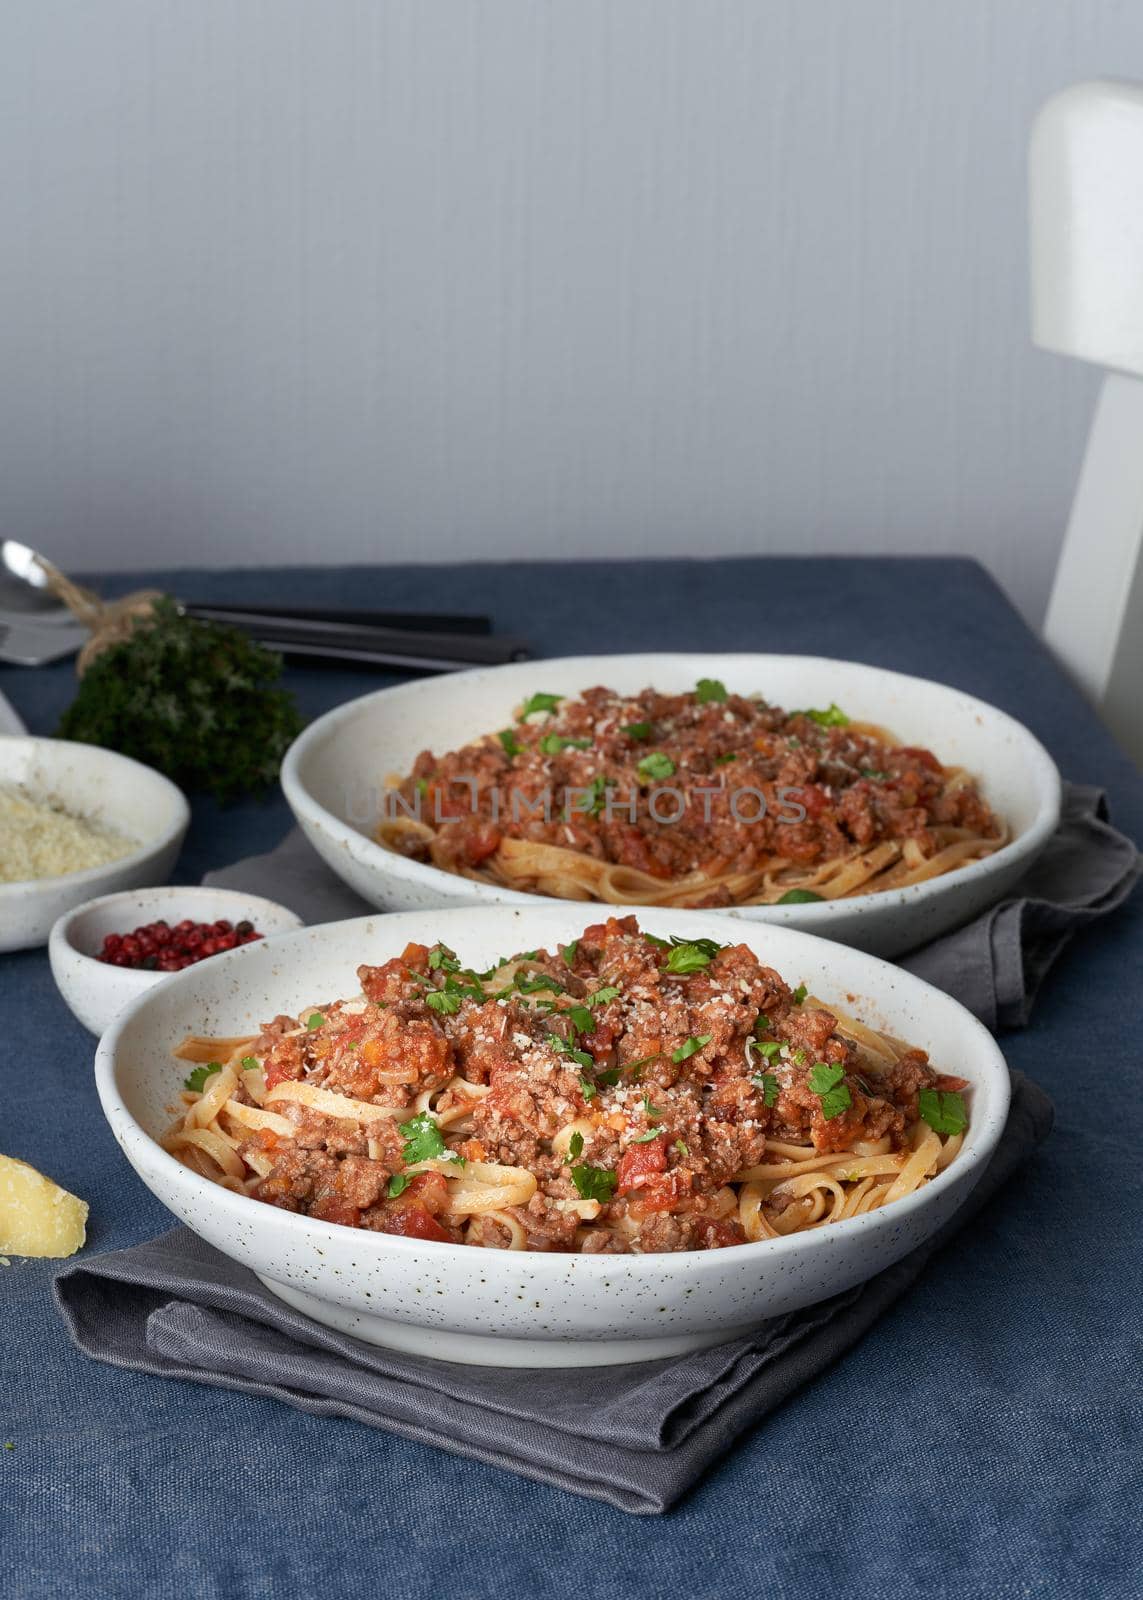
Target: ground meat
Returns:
[[361, 1182], [640, 1076], [336, 1136], [272, 1032], [297, 1175], [601, 1243], [808, 1030], [390, 1051], [901, 1082], [686, 1232], [577, 777], [546, 1227], [284, 1059]]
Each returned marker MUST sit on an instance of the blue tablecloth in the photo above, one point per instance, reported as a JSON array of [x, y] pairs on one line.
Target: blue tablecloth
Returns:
[[983, 1440]]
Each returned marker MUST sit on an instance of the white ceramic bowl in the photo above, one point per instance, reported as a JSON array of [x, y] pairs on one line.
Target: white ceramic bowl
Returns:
[[95, 992], [526, 1308], [333, 773], [105, 787]]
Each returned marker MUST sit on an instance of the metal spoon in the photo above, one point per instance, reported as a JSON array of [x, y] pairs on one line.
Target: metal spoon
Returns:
[[36, 629], [24, 592]]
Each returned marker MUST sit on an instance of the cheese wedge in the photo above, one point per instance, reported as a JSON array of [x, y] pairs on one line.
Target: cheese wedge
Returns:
[[37, 1217]]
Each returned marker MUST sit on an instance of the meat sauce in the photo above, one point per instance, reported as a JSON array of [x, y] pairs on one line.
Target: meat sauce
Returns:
[[830, 788], [676, 1061]]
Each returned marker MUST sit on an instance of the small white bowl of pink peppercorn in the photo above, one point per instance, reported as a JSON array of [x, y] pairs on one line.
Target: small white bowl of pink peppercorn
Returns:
[[106, 953]]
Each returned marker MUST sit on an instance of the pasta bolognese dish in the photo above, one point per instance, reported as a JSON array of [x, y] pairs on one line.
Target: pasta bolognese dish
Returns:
[[707, 798], [623, 1093]]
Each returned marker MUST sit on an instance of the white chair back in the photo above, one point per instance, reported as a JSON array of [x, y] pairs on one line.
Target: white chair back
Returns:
[[1086, 228]]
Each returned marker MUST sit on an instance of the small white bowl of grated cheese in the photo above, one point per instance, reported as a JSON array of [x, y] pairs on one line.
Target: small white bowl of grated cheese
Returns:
[[78, 821]]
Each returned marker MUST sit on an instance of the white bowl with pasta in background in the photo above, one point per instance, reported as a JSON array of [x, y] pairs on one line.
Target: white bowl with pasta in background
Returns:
[[335, 773], [527, 1307]]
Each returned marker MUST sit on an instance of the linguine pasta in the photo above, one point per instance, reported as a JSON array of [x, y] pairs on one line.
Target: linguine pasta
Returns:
[[622, 1093], [700, 799]]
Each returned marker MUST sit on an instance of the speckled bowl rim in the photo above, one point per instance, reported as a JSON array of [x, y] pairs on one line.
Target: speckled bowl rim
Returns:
[[989, 1069], [1042, 771], [92, 876]]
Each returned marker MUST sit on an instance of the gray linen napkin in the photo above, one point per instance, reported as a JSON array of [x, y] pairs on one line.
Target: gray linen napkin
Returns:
[[994, 965], [636, 1436]]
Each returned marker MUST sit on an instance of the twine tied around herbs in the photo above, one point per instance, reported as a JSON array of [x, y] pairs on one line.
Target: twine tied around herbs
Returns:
[[110, 622]]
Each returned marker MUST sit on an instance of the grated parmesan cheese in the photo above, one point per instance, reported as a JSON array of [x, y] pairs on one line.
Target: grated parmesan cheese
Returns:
[[41, 840]]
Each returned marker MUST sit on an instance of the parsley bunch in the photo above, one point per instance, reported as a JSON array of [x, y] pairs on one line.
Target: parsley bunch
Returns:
[[196, 700]]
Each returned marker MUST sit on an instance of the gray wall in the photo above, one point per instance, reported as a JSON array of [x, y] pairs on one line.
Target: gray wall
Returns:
[[400, 279]]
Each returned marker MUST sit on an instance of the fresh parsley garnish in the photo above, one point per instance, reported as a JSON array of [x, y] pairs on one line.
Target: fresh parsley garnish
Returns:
[[800, 994], [587, 1089], [799, 897], [769, 1085], [832, 717], [314, 1020], [535, 982], [708, 689], [198, 1075], [825, 1080], [835, 1101], [602, 996], [575, 1145], [710, 946], [596, 795], [442, 959], [691, 1047], [594, 1183], [508, 739], [638, 730], [655, 767], [653, 1112], [423, 1139], [765, 1047], [563, 1048], [943, 1110], [398, 1183], [552, 743], [581, 1019], [538, 702], [612, 1076], [681, 1148], [249, 1063], [720, 761], [490, 972], [873, 773], [645, 1138], [446, 1000], [569, 953], [686, 958]]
